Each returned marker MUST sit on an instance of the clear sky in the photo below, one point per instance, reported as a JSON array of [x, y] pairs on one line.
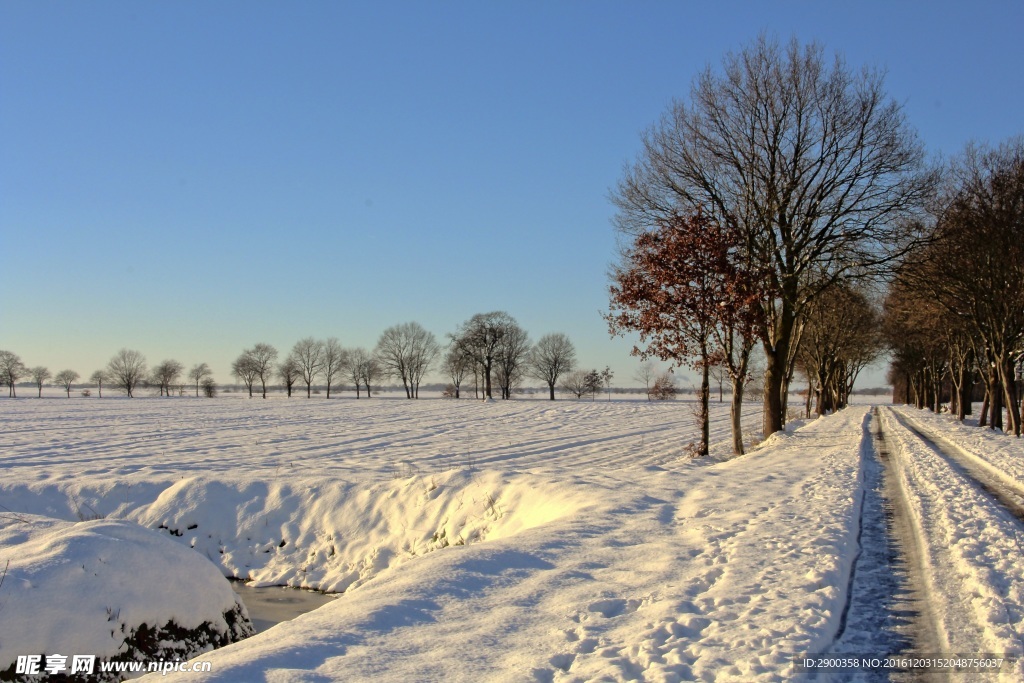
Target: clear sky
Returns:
[[190, 178]]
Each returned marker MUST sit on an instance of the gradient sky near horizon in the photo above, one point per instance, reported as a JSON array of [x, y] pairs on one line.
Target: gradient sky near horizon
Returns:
[[190, 178]]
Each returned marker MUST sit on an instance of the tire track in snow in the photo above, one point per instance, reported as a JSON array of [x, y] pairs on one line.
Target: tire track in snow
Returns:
[[1004, 491], [890, 610], [970, 544]]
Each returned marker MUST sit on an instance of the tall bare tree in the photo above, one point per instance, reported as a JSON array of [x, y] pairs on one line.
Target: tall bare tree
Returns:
[[126, 369], [66, 378], [407, 351], [333, 362], [39, 375], [512, 358], [553, 356], [480, 338], [809, 161], [198, 373], [309, 354]]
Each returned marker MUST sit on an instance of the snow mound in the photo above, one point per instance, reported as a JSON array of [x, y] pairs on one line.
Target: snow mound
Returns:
[[336, 535], [109, 588]]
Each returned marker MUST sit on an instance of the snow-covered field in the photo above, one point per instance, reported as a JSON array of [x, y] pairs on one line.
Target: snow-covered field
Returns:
[[520, 540]]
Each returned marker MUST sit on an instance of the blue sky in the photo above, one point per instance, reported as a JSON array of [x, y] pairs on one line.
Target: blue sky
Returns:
[[190, 178]]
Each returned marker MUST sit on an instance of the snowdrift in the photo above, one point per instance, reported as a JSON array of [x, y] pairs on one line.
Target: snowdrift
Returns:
[[108, 588], [306, 532]]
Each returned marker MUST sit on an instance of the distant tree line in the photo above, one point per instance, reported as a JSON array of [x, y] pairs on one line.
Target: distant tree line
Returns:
[[491, 348]]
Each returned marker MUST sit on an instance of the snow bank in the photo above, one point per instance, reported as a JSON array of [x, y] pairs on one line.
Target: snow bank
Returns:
[[108, 588], [310, 533]]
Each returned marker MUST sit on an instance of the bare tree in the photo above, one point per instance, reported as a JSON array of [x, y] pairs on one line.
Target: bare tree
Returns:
[[39, 375], [407, 352], [606, 379], [356, 362], [126, 369], [480, 338], [165, 374], [334, 361], [513, 354], [456, 364], [645, 373], [371, 372], [309, 354], [553, 356], [575, 382], [66, 378], [809, 162], [289, 373], [198, 373], [244, 368], [842, 334], [262, 357], [11, 370], [99, 377]]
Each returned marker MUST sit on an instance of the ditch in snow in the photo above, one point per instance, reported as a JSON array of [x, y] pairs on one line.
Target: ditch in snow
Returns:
[[270, 605]]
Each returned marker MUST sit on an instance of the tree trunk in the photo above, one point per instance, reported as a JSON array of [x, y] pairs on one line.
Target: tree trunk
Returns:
[[774, 376], [551, 390], [735, 412], [1007, 379], [995, 418], [983, 419], [776, 373], [705, 407]]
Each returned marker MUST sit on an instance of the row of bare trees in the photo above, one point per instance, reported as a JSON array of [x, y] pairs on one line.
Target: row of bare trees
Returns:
[[954, 314], [12, 369], [490, 347]]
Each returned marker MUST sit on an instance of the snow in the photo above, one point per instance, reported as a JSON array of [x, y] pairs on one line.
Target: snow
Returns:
[[512, 540], [1003, 455]]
